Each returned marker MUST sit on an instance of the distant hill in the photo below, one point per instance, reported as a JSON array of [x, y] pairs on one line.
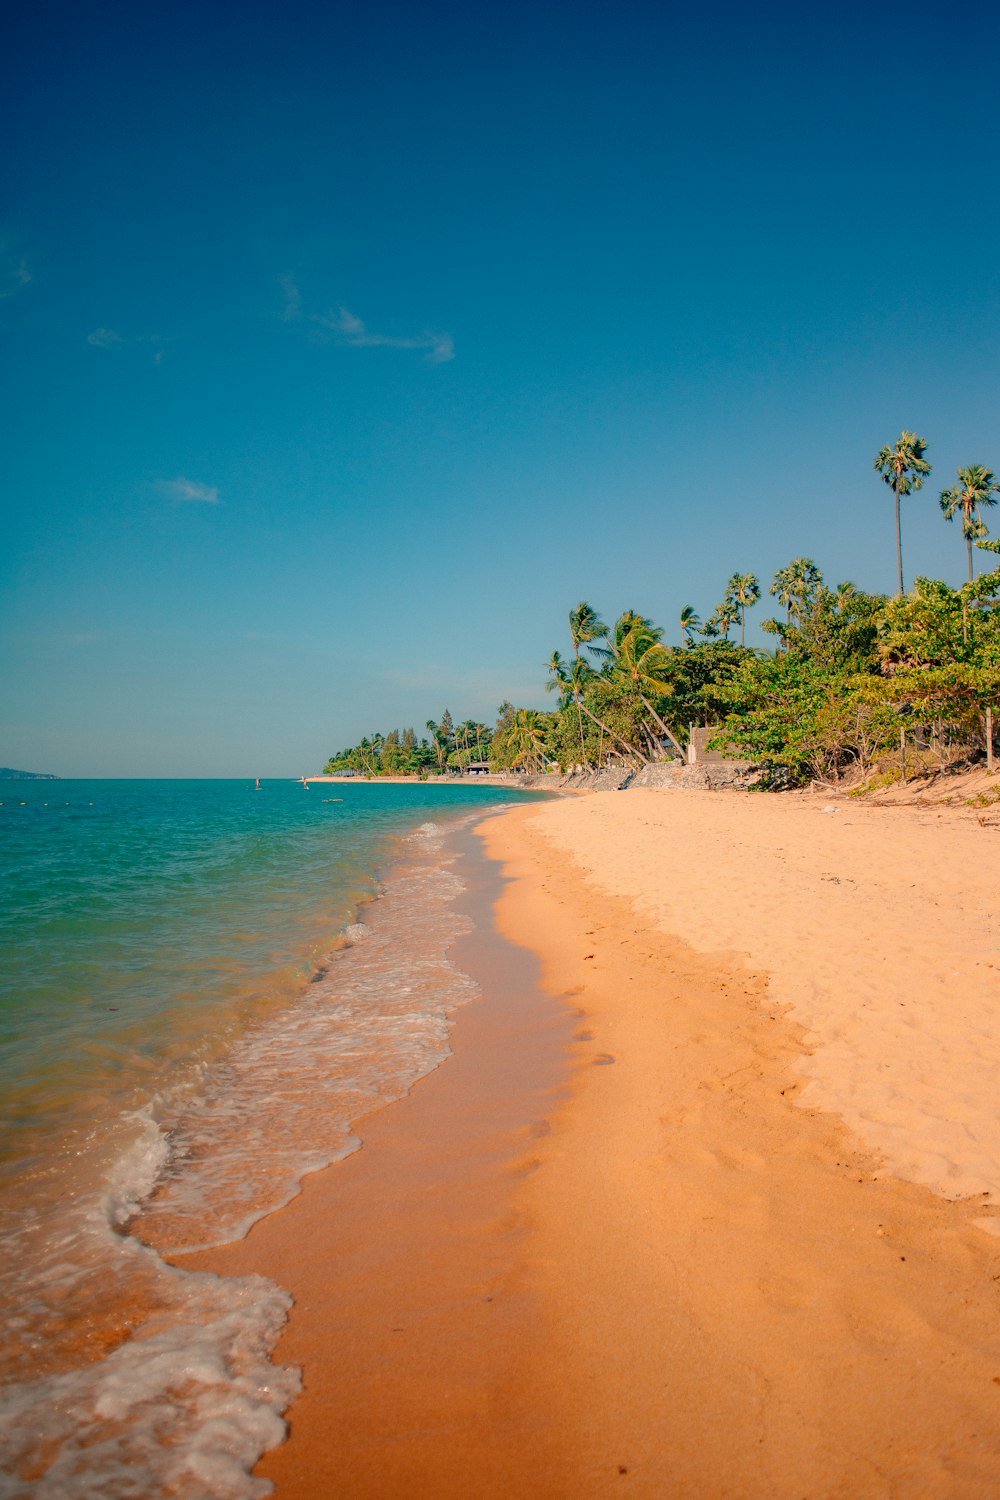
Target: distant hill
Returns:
[[6, 774]]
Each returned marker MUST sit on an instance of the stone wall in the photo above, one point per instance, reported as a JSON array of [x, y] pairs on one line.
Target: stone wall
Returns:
[[666, 775], [699, 753]]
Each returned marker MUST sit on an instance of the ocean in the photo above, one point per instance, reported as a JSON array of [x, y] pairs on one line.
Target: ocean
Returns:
[[202, 985]]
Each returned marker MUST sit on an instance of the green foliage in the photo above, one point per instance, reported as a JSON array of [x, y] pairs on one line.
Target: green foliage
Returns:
[[690, 624], [520, 745], [400, 753], [852, 674], [977, 489], [699, 677], [742, 592], [904, 468], [795, 587], [790, 710]]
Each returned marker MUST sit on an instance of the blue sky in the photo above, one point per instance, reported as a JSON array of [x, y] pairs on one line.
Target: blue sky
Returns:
[[345, 348]]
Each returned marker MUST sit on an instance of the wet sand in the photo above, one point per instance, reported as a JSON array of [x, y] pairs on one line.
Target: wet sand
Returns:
[[680, 1276], [415, 1320]]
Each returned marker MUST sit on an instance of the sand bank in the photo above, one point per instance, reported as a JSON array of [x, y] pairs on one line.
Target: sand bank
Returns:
[[748, 1303], [681, 1277], [879, 930]]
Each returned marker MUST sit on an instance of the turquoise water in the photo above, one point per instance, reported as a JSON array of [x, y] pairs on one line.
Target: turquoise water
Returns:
[[199, 993]]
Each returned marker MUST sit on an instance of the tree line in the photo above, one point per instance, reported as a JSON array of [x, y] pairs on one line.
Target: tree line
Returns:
[[447, 747], [852, 678]]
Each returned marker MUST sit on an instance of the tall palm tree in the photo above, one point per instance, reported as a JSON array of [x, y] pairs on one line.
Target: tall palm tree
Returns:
[[645, 662], [744, 591], [690, 624], [585, 626], [570, 679], [978, 488], [903, 468]]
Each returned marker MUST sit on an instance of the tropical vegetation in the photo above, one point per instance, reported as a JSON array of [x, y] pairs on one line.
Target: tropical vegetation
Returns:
[[853, 680]]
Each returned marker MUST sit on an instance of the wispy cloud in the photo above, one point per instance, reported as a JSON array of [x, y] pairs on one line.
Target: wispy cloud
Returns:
[[348, 329], [293, 298], [188, 489], [345, 328], [14, 272], [110, 338]]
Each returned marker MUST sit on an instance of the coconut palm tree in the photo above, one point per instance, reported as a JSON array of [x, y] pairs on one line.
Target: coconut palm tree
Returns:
[[570, 679], [744, 591], [978, 489], [903, 468], [645, 662], [526, 738], [690, 624], [627, 622], [585, 626]]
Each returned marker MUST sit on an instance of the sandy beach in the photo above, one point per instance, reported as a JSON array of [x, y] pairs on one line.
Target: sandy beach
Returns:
[[702, 1203]]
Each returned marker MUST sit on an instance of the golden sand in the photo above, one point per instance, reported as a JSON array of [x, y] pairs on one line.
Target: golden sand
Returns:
[[692, 1274]]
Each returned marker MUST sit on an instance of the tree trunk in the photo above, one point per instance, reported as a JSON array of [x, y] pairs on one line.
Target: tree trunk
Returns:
[[902, 754], [990, 760], [583, 747], [899, 539], [968, 543], [630, 750], [650, 709], [743, 625]]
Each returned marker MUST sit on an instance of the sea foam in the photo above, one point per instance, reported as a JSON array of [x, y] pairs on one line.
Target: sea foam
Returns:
[[175, 1392]]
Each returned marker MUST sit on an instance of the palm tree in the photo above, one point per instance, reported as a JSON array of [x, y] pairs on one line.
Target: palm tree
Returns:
[[585, 625], [721, 620], [903, 468], [642, 658], [571, 680], [369, 749], [690, 624], [795, 587], [744, 591], [979, 488], [440, 741], [629, 620], [527, 738]]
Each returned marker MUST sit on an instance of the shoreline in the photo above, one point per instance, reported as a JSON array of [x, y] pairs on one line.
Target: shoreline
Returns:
[[492, 778], [706, 1285], [412, 1313]]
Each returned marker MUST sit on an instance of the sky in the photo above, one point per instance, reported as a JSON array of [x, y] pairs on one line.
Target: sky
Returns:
[[344, 349]]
